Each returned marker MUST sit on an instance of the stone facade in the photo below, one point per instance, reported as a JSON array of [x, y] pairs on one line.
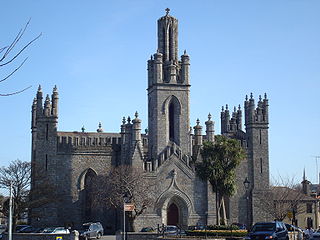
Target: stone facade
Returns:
[[71, 159]]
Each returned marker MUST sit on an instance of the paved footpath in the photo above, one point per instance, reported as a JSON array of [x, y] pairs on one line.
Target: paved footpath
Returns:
[[108, 237]]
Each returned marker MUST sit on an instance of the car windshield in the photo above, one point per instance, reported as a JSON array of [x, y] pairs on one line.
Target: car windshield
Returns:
[[48, 230], [85, 227], [264, 227], [171, 228]]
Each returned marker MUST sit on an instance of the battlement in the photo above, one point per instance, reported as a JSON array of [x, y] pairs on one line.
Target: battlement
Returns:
[[67, 140], [259, 114]]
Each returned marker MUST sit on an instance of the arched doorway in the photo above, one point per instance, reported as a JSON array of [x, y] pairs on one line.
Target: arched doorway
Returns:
[[173, 215]]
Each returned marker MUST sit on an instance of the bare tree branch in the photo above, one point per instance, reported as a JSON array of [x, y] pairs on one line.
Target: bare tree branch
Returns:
[[6, 51], [13, 93], [109, 190], [2, 80], [15, 56]]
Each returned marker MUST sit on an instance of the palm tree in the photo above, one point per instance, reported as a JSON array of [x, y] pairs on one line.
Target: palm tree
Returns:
[[219, 162]]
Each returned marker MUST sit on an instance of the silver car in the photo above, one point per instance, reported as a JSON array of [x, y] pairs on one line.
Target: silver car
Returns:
[[91, 230]]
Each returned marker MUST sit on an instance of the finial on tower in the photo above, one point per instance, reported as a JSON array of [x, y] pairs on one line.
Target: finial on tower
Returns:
[[239, 107], [167, 11], [265, 95], [227, 107], [99, 128], [129, 119], [82, 129], [55, 89], [39, 88], [260, 98], [246, 97], [124, 120], [185, 52], [234, 109], [251, 96], [198, 121], [222, 108], [209, 116], [136, 114]]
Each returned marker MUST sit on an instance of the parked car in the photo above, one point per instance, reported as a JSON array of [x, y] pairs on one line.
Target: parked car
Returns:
[[2, 228], [21, 227], [91, 230], [147, 229], [268, 230], [30, 229], [241, 226], [171, 230], [316, 235], [55, 230], [298, 231], [197, 227]]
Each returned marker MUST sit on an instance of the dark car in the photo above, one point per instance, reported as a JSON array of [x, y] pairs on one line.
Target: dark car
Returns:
[[91, 230], [147, 229], [268, 230]]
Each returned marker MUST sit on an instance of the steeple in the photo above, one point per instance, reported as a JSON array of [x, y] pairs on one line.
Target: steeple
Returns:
[[168, 93], [168, 37]]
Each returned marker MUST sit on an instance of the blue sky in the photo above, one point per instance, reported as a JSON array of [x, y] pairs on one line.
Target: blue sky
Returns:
[[96, 53]]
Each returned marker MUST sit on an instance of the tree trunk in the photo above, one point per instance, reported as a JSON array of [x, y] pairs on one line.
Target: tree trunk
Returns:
[[224, 215], [218, 208], [131, 218]]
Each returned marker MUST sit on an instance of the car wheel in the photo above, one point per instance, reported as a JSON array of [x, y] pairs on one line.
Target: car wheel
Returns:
[[98, 235]]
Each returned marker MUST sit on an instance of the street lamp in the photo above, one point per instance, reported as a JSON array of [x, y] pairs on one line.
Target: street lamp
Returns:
[[125, 199], [246, 185]]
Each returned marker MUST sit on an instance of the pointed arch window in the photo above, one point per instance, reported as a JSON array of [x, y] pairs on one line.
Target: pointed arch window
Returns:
[[171, 122]]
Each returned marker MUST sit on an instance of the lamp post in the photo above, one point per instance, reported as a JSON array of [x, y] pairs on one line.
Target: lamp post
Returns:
[[246, 185], [125, 199]]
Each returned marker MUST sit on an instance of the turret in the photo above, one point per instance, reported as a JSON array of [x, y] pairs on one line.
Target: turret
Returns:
[[210, 129], [150, 71], [47, 107], [123, 130], [136, 128], [185, 66], [158, 68], [239, 118], [34, 114], [39, 102], [55, 99], [198, 133]]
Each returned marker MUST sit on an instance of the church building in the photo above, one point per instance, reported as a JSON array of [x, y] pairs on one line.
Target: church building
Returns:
[[165, 152]]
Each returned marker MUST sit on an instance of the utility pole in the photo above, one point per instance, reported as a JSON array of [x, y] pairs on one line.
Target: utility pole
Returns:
[[318, 174], [10, 214]]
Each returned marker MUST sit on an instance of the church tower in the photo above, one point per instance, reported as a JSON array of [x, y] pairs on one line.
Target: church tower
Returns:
[[168, 93]]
